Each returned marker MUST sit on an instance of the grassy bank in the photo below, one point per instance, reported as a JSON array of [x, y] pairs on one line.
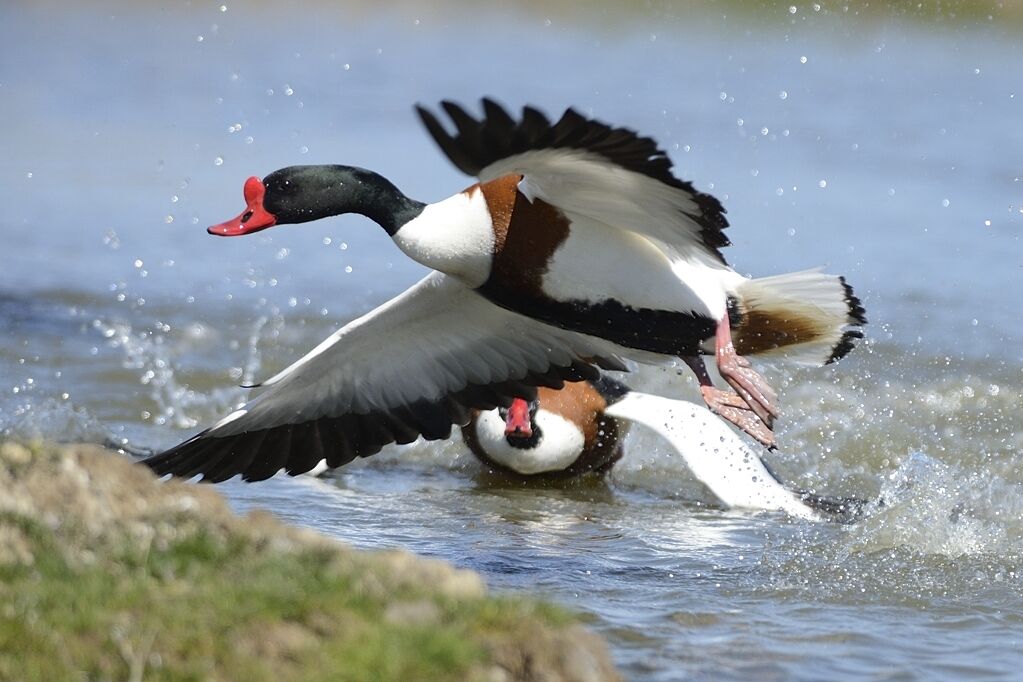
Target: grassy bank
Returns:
[[107, 574]]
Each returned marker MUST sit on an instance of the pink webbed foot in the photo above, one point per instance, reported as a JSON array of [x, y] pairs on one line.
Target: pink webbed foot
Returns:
[[736, 370], [749, 385], [731, 406], [734, 408]]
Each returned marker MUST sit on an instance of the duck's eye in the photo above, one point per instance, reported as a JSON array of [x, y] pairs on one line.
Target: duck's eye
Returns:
[[246, 216]]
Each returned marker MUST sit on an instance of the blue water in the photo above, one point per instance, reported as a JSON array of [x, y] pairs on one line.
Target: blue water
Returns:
[[884, 149]]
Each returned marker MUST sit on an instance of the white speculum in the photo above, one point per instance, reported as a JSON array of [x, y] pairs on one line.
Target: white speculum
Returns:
[[560, 444]]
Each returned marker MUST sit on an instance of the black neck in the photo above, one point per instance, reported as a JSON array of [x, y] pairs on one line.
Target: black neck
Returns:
[[298, 194]]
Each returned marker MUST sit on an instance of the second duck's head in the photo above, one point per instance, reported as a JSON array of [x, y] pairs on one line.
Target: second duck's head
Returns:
[[520, 429]]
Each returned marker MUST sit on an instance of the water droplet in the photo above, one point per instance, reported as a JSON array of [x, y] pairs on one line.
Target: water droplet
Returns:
[[987, 223], [974, 322], [248, 140], [722, 96], [303, 149], [288, 92], [348, 67], [348, 269], [891, 191], [792, 9], [764, 131], [780, 191], [783, 95], [326, 241], [802, 60], [28, 175], [199, 39], [739, 122], [223, 8], [168, 219], [945, 203], [791, 232], [219, 161], [174, 199], [822, 183]]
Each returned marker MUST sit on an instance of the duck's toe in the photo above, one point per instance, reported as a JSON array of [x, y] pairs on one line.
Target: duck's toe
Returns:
[[737, 410], [751, 386]]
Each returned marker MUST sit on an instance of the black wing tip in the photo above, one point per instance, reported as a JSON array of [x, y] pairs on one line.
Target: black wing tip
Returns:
[[168, 461], [480, 142], [839, 509]]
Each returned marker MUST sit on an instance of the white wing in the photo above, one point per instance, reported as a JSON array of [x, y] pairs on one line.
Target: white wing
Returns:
[[713, 452], [414, 366], [587, 168]]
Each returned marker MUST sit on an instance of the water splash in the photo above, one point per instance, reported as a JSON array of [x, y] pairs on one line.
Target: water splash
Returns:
[[51, 418], [936, 508], [157, 359]]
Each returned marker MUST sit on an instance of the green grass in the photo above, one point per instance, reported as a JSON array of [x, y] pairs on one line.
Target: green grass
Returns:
[[106, 574], [203, 608]]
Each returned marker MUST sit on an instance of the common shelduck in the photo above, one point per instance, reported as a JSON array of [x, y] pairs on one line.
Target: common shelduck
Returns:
[[576, 249], [581, 428], [559, 434]]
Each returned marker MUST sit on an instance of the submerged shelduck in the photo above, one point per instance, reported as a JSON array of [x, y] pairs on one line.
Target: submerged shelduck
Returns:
[[578, 248], [558, 434]]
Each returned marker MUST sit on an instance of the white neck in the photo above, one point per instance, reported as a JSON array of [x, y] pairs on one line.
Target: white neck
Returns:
[[454, 236]]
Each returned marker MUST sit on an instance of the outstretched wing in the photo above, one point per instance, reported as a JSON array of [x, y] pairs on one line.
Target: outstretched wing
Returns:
[[714, 453], [588, 168], [412, 367]]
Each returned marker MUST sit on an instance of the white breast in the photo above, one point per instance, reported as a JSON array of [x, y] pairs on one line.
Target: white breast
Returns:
[[559, 446], [597, 262], [454, 236]]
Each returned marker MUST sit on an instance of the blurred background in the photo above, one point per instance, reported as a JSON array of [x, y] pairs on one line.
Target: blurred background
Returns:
[[881, 141]]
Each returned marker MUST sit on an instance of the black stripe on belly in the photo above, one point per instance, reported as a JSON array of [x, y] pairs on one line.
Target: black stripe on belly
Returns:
[[656, 331]]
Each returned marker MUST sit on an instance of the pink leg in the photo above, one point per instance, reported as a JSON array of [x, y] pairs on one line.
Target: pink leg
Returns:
[[736, 370], [730, 406]]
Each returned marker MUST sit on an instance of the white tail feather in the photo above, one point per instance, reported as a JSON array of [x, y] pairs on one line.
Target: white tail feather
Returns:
[[818, 313]]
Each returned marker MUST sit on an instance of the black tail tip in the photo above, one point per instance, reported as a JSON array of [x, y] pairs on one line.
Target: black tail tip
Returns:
[[856, 317]]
